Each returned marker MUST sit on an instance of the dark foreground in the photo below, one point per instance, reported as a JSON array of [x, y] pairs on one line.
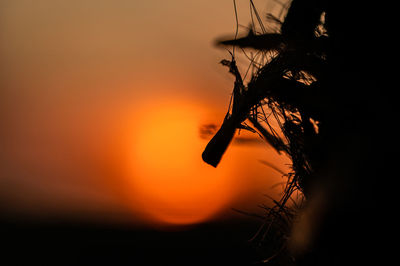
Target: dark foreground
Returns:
[[55, 243]]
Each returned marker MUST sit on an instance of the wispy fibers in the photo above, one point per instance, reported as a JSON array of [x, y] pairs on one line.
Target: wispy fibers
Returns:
[[306, 98]]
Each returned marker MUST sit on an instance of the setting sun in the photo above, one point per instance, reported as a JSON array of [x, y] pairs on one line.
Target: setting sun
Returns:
[[170, 183]]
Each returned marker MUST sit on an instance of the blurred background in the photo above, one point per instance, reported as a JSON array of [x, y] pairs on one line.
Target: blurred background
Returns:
[[105, 109], [104, 106]]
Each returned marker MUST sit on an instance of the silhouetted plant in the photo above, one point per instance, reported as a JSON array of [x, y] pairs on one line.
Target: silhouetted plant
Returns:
[[295, 86]]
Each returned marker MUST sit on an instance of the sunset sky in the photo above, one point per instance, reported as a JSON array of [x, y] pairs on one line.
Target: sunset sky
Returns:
[[101, 105]]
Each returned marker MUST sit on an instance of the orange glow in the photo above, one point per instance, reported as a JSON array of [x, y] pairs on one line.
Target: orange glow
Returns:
[[170, 183]]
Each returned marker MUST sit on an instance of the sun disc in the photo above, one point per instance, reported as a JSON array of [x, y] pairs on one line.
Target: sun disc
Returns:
[[169, 181]]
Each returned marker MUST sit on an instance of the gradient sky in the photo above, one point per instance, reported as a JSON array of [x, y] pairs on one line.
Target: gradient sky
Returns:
[[84, 84]]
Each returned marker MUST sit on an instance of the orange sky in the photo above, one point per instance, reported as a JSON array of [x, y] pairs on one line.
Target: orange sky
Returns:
[[86, 87]]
